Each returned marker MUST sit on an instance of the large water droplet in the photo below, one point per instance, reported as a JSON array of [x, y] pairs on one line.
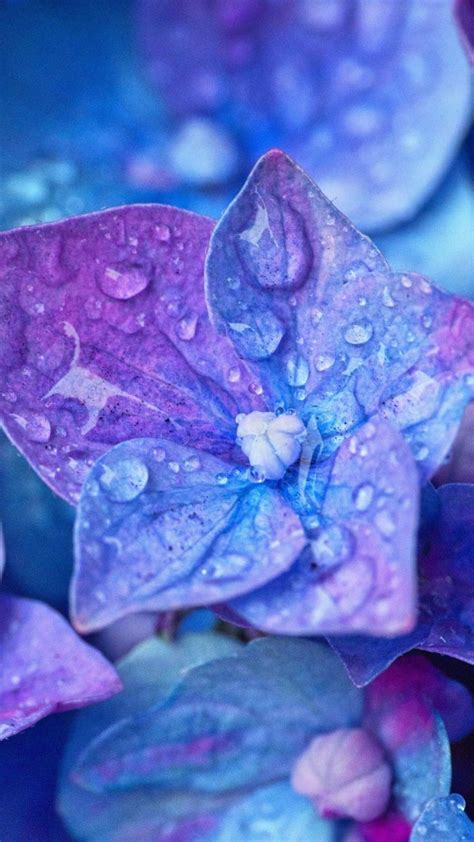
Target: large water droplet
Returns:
[[332, 545], [323, 362], [36, 427], [124, 280], [186, 328], [359, 333], [124, 480], [363, 496], [297, 371]]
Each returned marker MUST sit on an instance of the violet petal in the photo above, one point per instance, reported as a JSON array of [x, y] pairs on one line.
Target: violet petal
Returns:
[[45, 666], [360, 574], [105, 336], [161, 526]]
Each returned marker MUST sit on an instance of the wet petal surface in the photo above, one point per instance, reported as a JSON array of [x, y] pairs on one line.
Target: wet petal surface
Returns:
[[162, 526], [444, 818], [359, 573], [45, 666], [105, 337], [446, 617]]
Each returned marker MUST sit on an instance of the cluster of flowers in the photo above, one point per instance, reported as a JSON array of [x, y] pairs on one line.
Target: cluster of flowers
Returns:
[[260, 416]]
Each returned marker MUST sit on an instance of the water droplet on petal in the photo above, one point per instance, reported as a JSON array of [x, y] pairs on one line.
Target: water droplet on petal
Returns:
[[174, 466], [191, 464], [323, 362], [125, 480], [333, 545], [387, 299], [233, 375], [385, 523], [163, 233], [124, 280], [159, 454], [186, 328], [359, 333], [363, 496], [222, 479], [406, 281], [297, 371], [36, 427]]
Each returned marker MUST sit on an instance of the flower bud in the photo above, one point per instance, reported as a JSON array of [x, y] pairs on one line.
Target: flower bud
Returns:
[[345, 774]]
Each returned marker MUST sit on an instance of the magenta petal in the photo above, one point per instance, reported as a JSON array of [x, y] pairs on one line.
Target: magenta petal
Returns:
[[286, 249], [360, 575], [44, 666], [165, 526], [104, 335]]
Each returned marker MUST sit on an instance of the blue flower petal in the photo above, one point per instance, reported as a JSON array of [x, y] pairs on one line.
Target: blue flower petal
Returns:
[[275, 813], [162, 526], [360, 511], [444, 819]]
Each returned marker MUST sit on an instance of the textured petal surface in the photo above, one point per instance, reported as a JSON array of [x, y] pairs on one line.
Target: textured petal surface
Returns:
[[274, 812], [105, 337], [280, 253], [460, 467], [45, 667], [302, 677], [443, 819], [359, 573], [357, 91], [162, 525], [446, 587], [400, 709], [310, 302], [228, 739]]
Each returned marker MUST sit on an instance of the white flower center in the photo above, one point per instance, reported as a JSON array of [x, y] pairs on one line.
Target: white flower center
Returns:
[[271, 442]]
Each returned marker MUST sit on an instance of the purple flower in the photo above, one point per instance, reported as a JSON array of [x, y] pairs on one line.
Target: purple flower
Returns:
[[359, 92], [446, 590], [271, 437], [209, 744], [44, 666]]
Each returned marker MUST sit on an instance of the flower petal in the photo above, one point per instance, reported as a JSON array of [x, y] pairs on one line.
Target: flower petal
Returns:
[[149, 673], [360, 574], [227, 738], [45, 667], [308, 690], [164, 526], [460, 467], [400, 709], [105, 336], [464, 14], [443, 818], [279, 813], [446, 584], [323, 321], [278, 254]]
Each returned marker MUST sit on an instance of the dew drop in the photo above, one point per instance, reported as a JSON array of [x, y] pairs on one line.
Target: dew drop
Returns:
[[163, 233], [36, 427], [222, 479], [385, 523], [255, 389], [124, 480], [421, 453], [191, 464], [359, 333], [124, 280], [297, 371], [159, 454], [406, 281], [257, 475], [387, 299], [186, 328], [323, 362], [363, 496], [333, 545], [233, 375], [174, 467]]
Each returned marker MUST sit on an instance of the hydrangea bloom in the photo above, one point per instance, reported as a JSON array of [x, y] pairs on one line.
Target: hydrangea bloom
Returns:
[[290, 414], [269, 740], [446, 590], [44, 666], [356, 91]]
